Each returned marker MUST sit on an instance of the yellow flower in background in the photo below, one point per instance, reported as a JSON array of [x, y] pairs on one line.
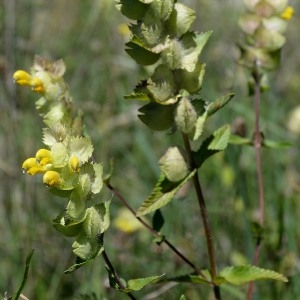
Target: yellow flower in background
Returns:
[[123, 29], [288, 13], [126, 222]]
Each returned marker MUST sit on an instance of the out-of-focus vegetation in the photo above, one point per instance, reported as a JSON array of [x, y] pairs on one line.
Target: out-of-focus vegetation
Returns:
[[90, 36]]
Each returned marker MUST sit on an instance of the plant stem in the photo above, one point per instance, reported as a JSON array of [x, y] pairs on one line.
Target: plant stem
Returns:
[[116, 276], [155, 233], [205, 220], [257, 147]]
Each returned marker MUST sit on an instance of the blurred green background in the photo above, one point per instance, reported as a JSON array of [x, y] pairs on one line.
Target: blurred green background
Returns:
[[89, 36]]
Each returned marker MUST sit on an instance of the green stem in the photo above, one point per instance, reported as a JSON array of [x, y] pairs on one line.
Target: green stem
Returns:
[[155, 233], [257, 147], [205, 220], [116, 276]]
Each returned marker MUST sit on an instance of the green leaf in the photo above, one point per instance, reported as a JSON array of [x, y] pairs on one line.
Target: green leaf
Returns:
[[182, 297], [80, 263], [181, 20], [113, 282], [25, 275], [139, 283], [218, 104], [161, 85], [238, 140], [141, 55], [212, 145], [221, 138], [162, 8], [191, 278], [239, 275], [276, 144], [132, 9], [149, 31], [157, 220], [162, 194], [199, 126], [67, 226], [190, 81], [82, 147], [192, 45], [97, 178], [156, 116]]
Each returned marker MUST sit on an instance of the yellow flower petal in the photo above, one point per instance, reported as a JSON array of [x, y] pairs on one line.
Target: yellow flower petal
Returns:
[[37, 85], [43, 157], [288, 13], [51, 178], [30, 166], [22, 77], [75, 164]]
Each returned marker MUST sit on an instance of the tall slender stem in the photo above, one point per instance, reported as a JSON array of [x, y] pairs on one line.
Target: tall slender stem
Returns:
[[257, 147], [205, 219], [155, 233]]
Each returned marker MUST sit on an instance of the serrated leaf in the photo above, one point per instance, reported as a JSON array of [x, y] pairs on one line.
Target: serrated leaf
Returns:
[[239, 275], [199, 126], [181, 19], [212, 145], [60, 155], [138, 96], [81, 262], [218, 104], [139, 283], [161, 85], [97, 183], [162, 8], [156, 116], [149, 31], [190, 81], [192, 45], [132, 9], [162, 194], [82, 147], [141, 55], [221, 138]]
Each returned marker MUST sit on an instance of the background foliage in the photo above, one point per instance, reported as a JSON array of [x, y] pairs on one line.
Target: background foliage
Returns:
[[90, 36]]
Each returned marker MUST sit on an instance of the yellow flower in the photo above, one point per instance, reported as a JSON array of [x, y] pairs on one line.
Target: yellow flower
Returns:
[[22, 77], [288, 13], [75, 164], [31, 166], [37, 85], [43, 157], [51, 178]]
